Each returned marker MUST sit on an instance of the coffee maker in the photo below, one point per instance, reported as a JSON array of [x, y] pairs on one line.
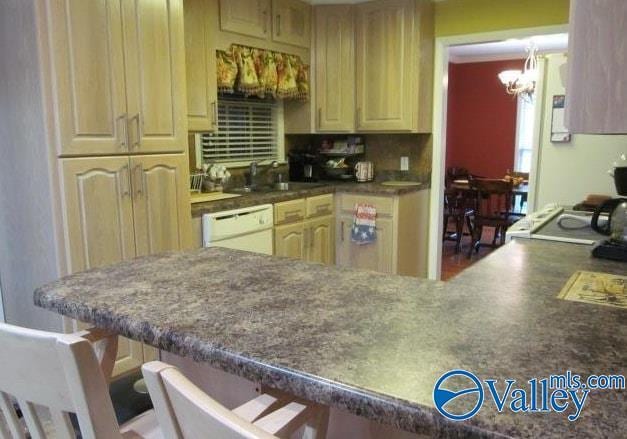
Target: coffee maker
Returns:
[[304, 166], [616, 226]]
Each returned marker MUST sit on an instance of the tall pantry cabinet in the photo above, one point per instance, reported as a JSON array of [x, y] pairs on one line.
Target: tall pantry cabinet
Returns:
[[118, 133]]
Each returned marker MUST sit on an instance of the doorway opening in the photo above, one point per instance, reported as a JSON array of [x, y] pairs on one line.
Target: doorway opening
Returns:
[[481, 132]]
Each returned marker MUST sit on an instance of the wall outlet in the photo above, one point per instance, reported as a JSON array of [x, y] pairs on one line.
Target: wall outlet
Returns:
[[404, 163]]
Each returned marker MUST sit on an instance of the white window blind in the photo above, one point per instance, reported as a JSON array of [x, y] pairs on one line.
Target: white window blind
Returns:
[[247, 130]]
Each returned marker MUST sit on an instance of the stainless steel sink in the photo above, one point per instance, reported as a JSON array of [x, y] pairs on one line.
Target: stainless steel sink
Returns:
[[278, 187]]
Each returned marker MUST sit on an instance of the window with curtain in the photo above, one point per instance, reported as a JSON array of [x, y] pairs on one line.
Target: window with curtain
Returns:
[[247, 130], [525, 125]]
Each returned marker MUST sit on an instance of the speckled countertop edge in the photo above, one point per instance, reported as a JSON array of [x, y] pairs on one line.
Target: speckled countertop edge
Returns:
[[396, 412], [254, 199]]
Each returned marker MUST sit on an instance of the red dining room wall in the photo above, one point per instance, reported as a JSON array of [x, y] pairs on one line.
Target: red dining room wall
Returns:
[[481, 118]]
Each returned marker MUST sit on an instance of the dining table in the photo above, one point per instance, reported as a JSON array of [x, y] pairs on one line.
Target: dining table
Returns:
[[521, 190]]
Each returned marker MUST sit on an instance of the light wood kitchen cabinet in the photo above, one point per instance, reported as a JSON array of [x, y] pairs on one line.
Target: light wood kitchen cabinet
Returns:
[[99, 211], [119, 70], [377, 256], [401, 243], [393, 65], [161, 203], [304, 229], [121, 207], [88, 59], [154, 55], [319, 241], [246, 17], [200, 60], [289, 241], [596, 89], [335, 68], [291, 22]]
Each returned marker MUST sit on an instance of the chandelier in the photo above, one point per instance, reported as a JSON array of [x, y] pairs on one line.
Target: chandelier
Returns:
[[523, 83]]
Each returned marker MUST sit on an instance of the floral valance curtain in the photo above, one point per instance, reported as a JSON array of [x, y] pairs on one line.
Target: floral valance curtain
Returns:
[[262, 73]]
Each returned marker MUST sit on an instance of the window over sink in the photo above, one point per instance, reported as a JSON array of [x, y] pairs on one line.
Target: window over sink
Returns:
[[248, 129]]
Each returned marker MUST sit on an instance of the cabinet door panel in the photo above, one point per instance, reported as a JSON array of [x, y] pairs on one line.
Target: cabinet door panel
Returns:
[[161, 203], [597, 87], [384, 65], [155, 74], [246, 17], [200, 62], [335, 69], [289, 241], [320, 240], [87, 56], [377, 256], [100, 227], [291, 22]]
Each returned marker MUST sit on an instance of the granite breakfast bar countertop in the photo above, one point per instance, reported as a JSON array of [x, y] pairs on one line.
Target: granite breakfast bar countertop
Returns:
[[303, 190], [370, 343]]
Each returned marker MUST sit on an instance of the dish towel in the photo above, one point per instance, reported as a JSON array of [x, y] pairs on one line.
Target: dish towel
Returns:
[[364, 230]]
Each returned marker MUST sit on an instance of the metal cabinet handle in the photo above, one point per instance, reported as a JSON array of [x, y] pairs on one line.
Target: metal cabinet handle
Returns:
[[124, 141], [311, 237], [278, 25], [138, 179], [342, 231], [125, 181], [305, 239], [319, 117], [214, 108], [138, 130], [265, 21]]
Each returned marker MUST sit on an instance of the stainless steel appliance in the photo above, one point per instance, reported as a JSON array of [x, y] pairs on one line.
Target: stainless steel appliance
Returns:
[[364, 171]]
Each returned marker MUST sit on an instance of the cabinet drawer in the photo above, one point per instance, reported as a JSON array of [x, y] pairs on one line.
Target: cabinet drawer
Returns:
[[384, 205], [289, 211], [319, 205]]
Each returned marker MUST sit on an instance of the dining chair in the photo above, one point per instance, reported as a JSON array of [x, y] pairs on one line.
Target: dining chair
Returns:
[[493, 208], [65, 373], [185, 411], [523, 196], [459, 206]]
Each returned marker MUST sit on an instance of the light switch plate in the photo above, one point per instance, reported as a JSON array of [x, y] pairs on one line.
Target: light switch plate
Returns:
[[404, 163]]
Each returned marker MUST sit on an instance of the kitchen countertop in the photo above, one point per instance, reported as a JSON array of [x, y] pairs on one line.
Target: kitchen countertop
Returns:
[[366, 342], [302, 190]]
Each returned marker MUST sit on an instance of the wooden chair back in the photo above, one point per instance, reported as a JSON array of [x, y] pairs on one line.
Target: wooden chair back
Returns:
[[494, 199], [184, 411], [59, 371]]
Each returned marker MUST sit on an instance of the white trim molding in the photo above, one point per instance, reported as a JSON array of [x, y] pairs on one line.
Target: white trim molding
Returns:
[[440, 95]]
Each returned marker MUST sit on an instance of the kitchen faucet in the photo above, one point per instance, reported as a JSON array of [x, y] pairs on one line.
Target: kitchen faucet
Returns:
[[254, 172]]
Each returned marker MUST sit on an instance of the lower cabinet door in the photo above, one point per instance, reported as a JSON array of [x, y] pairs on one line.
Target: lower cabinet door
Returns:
[[377, 256], [160, 186], [289, 241], [320, 240]]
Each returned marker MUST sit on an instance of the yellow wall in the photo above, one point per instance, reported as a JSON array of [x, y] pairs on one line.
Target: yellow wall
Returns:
[[458, 17]]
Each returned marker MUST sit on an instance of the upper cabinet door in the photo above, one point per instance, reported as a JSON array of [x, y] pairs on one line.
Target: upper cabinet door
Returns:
[[155, 75], [161, 203], [246, 17], [291, 22], [596, 90], [99, 211], [88, 63], [201, 24], [335, 68], [385, 73]]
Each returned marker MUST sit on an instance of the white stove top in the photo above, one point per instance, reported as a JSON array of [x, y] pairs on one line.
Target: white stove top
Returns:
[[544, 224]]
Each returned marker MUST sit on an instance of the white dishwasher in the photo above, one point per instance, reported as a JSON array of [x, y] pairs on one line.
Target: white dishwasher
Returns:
[[248, 228]]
